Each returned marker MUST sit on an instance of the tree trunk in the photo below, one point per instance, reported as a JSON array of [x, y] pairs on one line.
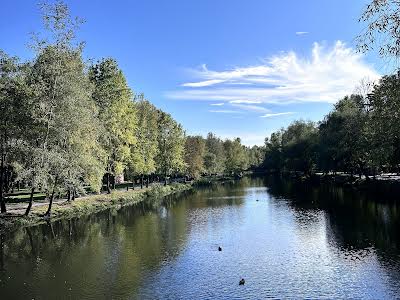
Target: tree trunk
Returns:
[[69, 195], [73, 194], [2, 252], [48, 212], [108, 184], [28, 209], [147, 181], [2, 203], [141, 182], [6, 180]]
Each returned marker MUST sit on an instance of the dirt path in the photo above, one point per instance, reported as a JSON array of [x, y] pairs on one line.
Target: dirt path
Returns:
[[19, 208]]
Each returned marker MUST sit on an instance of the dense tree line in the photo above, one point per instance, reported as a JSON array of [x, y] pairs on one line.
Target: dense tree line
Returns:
[[359, 136], [68, 126]]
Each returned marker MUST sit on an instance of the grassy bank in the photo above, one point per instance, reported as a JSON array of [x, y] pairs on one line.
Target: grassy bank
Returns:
[[91, 204]]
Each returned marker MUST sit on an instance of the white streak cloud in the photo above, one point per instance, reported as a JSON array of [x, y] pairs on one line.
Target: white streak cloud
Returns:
[[277, 114], [246, 101], [203, 83], [328, 74], [254, 108], [217, 104], [301, 32], [222, 111]]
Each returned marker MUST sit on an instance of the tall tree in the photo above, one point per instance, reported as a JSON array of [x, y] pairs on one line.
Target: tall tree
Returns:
[[384, 121], [215, 154], [274, 159], [117, 114], [300, 142], [342, 136], [256, 155], [194, 155], [14, 118], [64, 141], [236, 159], [171, 145], [146, 149]]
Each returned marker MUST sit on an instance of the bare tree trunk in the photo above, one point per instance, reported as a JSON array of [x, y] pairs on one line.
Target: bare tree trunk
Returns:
[[69, 195], [2, 202], [147, 181], [28, 209], [108, 184], [2, 252], [141, 182], [48, 212]]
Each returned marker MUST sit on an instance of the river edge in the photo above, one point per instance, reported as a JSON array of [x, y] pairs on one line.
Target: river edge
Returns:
[[92, 204], [387, 186]]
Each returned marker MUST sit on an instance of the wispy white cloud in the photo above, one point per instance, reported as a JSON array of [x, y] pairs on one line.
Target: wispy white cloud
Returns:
[[301, 32], [246, 101], [270, 115], [254, 108], [217, 104], [328, 74], [226, 111], [203, 83]]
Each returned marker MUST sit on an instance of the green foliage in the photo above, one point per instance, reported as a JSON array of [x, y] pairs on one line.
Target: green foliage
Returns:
[[236, 158], [256, 156], [383, 126], [116, 113], [146, 149], [342, 136], [194, 155], [215, 155], [171, 145], [299, 142]]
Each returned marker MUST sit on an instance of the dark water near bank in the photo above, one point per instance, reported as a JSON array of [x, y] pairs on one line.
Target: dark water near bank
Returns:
[[297, 241]]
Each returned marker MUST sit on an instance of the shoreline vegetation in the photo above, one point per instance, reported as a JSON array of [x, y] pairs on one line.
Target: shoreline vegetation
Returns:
[[91, 204]]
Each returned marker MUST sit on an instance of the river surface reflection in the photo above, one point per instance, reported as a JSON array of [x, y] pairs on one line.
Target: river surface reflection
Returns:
[[296, 241]]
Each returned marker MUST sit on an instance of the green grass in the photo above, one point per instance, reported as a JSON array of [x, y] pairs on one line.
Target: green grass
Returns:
[[25, 197], [92, 204]]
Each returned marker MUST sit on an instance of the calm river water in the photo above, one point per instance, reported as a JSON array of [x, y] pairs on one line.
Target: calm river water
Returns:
[[296, 241]]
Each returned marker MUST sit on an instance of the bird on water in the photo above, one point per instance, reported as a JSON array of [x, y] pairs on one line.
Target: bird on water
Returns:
[[241, 282]]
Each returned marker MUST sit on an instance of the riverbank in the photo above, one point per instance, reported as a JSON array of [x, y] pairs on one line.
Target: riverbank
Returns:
[[90, 204], [387, 185]]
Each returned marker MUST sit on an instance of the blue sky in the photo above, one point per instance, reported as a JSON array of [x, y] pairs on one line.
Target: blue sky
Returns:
[[237, 68]]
